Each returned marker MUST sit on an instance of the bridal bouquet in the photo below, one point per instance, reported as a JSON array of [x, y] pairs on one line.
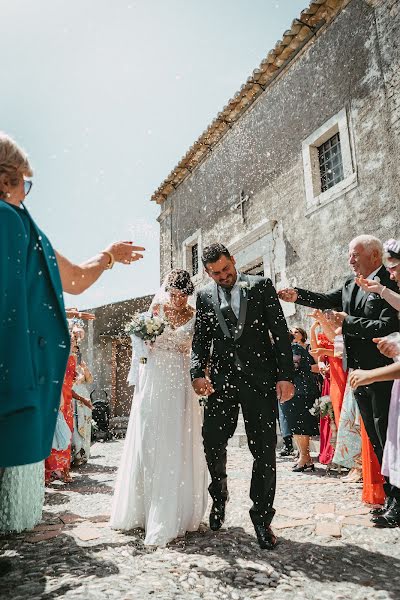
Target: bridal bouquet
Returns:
[[145, 327]]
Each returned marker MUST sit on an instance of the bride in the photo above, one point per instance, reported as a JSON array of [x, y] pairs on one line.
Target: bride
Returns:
[[162, 479]]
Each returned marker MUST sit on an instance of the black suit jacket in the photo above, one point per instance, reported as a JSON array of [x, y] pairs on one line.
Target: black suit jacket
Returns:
[[371, 317], [249, 350]]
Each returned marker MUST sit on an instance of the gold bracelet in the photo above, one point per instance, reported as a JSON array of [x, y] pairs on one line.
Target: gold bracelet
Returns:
[[111, 257], [382, 290]]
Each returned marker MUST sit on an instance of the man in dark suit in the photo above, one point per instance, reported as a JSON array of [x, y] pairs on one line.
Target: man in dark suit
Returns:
[[362, 317], [234, 364]]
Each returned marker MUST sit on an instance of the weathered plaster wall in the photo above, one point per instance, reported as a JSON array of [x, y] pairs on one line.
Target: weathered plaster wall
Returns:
[[353, 64]]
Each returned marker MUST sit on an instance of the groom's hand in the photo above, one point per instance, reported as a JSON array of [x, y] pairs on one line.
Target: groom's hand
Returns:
[[284, 391], [202, 386]]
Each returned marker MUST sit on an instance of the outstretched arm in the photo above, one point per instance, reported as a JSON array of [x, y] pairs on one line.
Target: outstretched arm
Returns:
[[331, 299], [76, 278], [361, 377]]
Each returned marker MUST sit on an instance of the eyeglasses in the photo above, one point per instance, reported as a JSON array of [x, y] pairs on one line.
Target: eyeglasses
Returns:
[[27, 186]]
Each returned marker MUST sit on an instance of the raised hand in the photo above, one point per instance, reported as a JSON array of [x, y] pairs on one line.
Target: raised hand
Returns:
[[125, 252], [74, 312], [369, 285], [288, 295]]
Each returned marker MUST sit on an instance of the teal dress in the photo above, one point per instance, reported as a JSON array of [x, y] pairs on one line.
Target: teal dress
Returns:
[[34, 339]]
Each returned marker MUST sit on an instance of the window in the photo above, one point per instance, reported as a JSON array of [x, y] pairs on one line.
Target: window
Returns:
[[257, 269], [191, 253], [328, 163], [195, 260]]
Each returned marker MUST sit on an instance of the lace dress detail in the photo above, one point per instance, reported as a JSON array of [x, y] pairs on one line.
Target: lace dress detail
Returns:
[[21, 497], [162, 479]]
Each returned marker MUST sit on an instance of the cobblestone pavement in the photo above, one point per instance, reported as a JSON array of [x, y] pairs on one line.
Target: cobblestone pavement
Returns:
[[326, 547]]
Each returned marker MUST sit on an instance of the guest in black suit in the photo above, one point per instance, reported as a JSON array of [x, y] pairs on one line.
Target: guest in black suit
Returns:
[[235, 314], [362, 317]]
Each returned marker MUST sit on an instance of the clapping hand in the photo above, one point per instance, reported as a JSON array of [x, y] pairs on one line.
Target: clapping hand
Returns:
[[335, 317], [288, 295]]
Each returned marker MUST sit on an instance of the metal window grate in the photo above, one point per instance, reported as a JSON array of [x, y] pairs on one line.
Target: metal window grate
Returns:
[[195, 259], [330, 163], [257, 269]]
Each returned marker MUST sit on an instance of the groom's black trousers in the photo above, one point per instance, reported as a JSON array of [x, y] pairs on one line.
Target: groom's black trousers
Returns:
[[220, 421]]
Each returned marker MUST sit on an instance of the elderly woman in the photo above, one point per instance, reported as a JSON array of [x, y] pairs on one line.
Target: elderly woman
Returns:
[[34, 338]]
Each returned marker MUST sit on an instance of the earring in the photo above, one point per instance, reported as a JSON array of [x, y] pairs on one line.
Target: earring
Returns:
[[8, 194]]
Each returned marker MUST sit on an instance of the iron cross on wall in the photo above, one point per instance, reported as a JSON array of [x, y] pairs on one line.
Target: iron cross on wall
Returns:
[[243, 199]]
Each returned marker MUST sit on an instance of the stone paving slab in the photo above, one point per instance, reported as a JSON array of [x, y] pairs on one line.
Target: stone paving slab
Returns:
[[309, 562]]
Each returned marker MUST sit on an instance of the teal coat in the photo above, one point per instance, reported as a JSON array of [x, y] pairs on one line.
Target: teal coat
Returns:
[[34, 339]]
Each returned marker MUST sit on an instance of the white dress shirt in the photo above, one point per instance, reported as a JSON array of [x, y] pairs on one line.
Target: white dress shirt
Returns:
[[235, 297]]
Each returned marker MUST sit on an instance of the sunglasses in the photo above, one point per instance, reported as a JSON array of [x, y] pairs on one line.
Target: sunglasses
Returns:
[[27, 186]]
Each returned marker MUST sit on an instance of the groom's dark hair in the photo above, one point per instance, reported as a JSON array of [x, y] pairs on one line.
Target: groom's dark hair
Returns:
[[213, 253]]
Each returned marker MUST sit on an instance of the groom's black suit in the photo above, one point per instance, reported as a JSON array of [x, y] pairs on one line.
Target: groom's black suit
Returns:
[[369, 316], [244, 368]]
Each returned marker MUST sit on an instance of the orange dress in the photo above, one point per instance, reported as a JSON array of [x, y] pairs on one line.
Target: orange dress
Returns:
[[372, 479], [60, 460]]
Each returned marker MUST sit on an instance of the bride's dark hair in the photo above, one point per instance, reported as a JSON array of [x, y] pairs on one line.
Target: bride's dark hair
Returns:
[[179, 279]]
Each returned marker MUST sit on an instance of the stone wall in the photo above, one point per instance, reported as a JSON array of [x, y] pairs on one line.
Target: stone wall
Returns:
[[352, 64], [105, 339]]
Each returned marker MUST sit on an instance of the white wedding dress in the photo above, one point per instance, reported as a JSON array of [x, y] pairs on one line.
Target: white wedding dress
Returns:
[[162, 479]]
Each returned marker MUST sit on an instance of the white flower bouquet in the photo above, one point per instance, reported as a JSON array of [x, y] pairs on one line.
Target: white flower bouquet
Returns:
[[323, 407], [146, 327]]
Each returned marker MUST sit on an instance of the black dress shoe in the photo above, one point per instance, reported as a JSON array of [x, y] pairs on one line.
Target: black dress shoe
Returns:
[[265, 536], [390, 518], [217, 515], [376, 512]]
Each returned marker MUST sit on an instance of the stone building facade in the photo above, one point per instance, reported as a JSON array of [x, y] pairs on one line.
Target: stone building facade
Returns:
[[302, 159], [107, 350]]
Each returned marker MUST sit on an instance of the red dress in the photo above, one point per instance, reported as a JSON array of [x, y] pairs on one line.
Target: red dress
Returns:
[[60, 460], [326, 451], [372, 479]]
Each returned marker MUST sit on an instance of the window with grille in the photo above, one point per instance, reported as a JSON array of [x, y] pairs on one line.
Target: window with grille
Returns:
[[330, 162], [195, 259], [257, 269]]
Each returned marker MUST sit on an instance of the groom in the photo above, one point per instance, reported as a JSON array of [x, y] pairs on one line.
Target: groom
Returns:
[[234, 363]]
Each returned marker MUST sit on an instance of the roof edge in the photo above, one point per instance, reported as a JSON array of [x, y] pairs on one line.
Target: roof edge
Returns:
[[302, 30]]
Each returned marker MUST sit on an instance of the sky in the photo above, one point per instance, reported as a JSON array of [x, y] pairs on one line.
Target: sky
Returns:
[[106, 96]]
